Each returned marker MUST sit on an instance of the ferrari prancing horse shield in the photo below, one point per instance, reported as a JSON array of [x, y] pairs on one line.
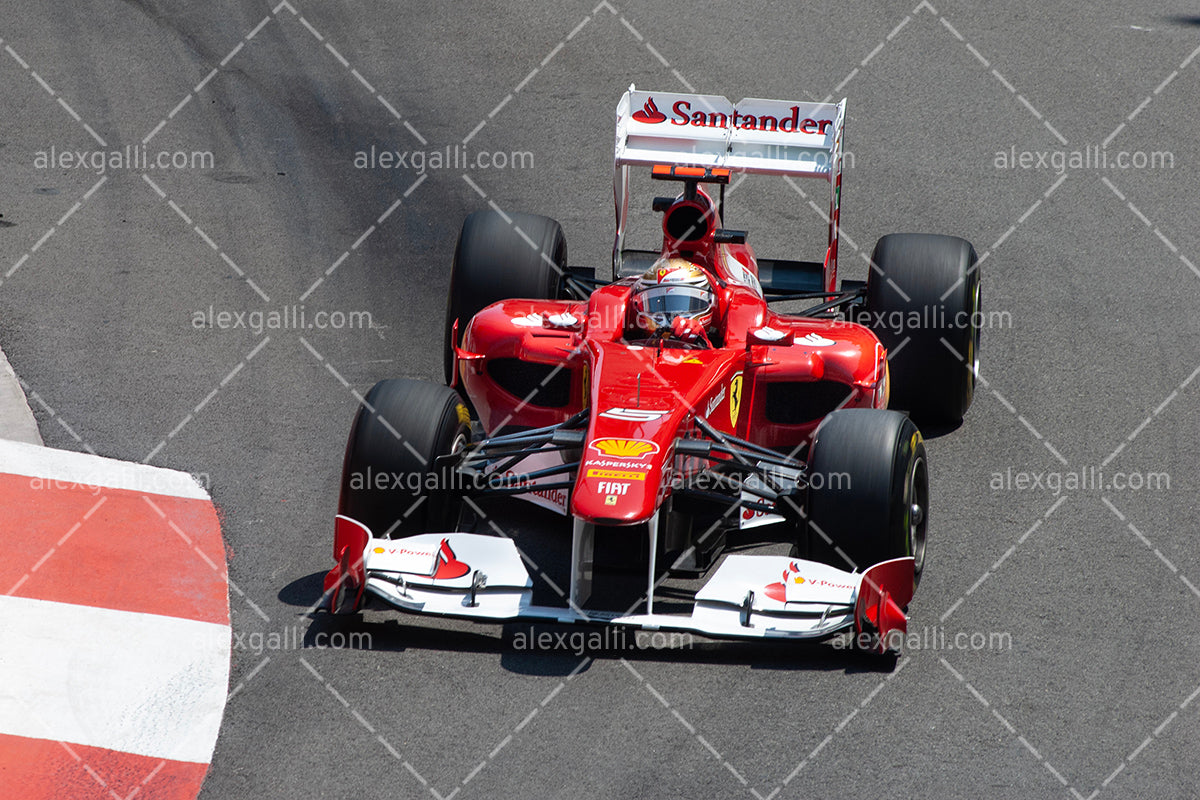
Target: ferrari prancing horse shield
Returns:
[[735, 398]]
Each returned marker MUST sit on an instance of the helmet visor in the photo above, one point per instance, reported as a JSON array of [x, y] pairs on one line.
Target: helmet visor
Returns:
[[675, 300]]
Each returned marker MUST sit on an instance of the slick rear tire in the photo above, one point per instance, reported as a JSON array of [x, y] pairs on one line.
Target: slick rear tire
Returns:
[[493, 261], [923, 299], [868, 490], [390, 481]]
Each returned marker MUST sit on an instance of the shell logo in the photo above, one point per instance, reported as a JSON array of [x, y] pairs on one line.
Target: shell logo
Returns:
[[778, 591], [624, 448]]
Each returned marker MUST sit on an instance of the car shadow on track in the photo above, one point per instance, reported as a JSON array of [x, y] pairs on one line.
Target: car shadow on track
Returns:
[[551, 649]]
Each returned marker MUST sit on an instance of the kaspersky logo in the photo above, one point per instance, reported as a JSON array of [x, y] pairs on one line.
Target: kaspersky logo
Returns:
[[624, 448], [682, 114]]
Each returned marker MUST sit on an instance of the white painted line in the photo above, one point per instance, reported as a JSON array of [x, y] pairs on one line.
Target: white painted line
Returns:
[[137, 683], [65, 467]]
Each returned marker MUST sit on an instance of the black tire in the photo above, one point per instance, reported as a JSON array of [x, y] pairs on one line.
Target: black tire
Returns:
[[494, 262], [929, 379], [400, 429], [882, 510]]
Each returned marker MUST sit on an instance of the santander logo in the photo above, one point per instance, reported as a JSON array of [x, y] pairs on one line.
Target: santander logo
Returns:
[[682, 114], [649, 113]]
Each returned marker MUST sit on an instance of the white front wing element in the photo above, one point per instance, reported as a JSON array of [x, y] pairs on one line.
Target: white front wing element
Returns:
[[747, 597], [433, 573]]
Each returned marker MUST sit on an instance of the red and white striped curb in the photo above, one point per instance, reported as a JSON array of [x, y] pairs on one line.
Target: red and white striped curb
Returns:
[[114, 624]]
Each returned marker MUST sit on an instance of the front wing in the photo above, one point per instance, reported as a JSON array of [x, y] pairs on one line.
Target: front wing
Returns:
[[483, 577]]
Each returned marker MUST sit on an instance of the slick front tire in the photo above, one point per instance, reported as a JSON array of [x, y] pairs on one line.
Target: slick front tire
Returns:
[[923, 304], [868, 493], [391, 481], [494, 260]]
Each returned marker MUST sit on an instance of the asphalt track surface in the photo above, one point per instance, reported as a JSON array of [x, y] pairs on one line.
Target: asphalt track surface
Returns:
[[1088, 594]]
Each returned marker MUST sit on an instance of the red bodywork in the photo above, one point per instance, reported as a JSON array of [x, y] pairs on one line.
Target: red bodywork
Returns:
[[770, 394]]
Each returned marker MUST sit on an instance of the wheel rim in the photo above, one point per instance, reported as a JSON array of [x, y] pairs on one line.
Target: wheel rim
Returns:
[[447, 501], [973, 343], [917, 517]]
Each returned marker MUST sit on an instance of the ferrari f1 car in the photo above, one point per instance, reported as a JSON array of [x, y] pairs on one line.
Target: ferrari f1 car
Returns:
[[671, 406]]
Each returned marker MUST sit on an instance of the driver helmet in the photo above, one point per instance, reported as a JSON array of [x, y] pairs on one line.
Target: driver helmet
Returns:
[[673, 287]]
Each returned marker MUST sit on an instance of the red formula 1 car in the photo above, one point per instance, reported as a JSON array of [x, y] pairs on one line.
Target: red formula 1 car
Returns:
[[671, 410]]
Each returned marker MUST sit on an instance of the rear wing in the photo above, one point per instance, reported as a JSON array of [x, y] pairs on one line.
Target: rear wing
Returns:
[[769, 137], [753, 135]]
